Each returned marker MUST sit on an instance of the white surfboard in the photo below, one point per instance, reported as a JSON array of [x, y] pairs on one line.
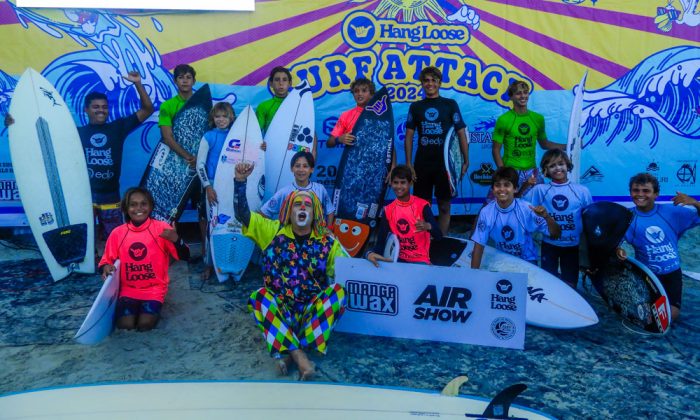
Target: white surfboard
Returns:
[[230, 250], [52, 178], [573, 144], [551, 304], [250, 400], [99, 322], [452, 155], [291, 131]]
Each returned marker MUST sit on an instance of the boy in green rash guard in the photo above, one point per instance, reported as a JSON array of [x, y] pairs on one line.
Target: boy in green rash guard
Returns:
[[280, 81], [184, 76], [517, 131]]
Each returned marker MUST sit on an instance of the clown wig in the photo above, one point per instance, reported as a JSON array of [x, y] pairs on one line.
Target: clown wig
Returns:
[[319, 224]]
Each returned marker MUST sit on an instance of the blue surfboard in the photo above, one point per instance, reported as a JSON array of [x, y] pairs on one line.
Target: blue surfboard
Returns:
[[168, 176], [360, 187], [99, 322]]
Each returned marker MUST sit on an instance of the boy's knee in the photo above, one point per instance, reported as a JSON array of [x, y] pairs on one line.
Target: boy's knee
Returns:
[[147, 322], [126, 322]]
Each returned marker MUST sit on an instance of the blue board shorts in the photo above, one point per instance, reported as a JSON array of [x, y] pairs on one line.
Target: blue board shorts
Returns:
[[127, 306]]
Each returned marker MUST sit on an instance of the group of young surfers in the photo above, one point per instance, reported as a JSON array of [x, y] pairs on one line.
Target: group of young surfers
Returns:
[[299, 304]]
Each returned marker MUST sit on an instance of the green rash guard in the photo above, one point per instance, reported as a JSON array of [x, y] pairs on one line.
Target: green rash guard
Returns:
[[519, 134], [168, 110], [266, 111]]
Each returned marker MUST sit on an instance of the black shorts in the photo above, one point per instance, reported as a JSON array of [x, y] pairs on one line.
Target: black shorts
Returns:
[[127, 306], [429, 178], [673, 284]]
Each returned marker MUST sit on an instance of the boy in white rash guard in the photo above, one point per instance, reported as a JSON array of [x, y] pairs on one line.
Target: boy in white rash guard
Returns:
[[564, 201], [654, 234], [510, 221], [302, 165]]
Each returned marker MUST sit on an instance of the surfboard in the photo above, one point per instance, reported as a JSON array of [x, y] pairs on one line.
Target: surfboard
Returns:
[[359, 186], [230, 250], [52, 177], [629, 288], [573, 144], [99, 322], [291, 131], [168, 176], [551, 304], [391, 249], [454, 160], [224, 399]]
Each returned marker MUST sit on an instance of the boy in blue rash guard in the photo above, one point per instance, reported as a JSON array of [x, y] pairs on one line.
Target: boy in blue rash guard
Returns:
[[564, 201], [510, 221], [221, 117], [654, 233]]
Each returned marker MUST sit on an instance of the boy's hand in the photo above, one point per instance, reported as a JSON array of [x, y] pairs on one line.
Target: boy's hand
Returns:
[[422, 226], [347, 139], [211, 195], [374, 258], [243, 170], [683, 199], [107, 269], [621, 253], [413, 172], [263, 146], [169, 234], [133, 76], [540, 211], [9, 120], [191, 160], [465, 166]]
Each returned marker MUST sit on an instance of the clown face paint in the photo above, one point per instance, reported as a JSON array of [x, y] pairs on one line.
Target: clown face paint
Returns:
[[302, 211]]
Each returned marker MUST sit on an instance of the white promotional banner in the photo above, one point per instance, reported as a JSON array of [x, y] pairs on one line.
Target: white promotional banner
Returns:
[[453, 304]]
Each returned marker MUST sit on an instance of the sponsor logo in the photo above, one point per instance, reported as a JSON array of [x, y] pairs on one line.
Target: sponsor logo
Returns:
[[138, 251], [653, 167], [503, 328], [403, 226], [431, 114], [101, 157], [376, 298], [524, 129], [329, 125], [379, 107], [301, 135], [654, 234], [508, 233], [361, 30], [98, 139], [49, 94], [100, 174], [504, 286], [536, 294], [446, 305], [8, 191], [560, 202], [135, 272], [483, 175], [592, 174], [233, 146], [660, 308], [686, 173], [480, 137], [46, 219]]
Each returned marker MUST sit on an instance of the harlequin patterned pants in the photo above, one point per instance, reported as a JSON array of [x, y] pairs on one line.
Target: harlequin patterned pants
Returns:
[[287, 330]]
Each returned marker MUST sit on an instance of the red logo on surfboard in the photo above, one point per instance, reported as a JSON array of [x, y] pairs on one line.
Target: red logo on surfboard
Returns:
[[660, 310]]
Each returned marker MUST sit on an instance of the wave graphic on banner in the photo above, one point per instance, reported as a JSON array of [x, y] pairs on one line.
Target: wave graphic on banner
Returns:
[[660, 96]]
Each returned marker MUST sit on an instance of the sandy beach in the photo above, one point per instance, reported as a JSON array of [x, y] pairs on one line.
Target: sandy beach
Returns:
[[604, 371]]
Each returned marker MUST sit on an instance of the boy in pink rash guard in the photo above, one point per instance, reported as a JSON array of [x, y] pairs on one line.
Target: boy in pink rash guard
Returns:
[[144, 247], [362, 91], [408, 217]]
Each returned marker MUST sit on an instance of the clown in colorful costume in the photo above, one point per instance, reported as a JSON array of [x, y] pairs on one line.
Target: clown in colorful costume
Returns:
[[298, 306]]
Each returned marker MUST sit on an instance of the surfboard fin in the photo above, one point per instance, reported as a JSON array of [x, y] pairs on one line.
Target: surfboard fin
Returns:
[[452, 387], [68, 243], [500, 405]]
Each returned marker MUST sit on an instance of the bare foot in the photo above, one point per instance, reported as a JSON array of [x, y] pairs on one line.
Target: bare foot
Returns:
[[306, 367], [283, 365]]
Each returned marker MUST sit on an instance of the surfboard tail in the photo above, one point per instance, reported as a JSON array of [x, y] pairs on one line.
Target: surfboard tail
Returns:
[[68, 243]]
